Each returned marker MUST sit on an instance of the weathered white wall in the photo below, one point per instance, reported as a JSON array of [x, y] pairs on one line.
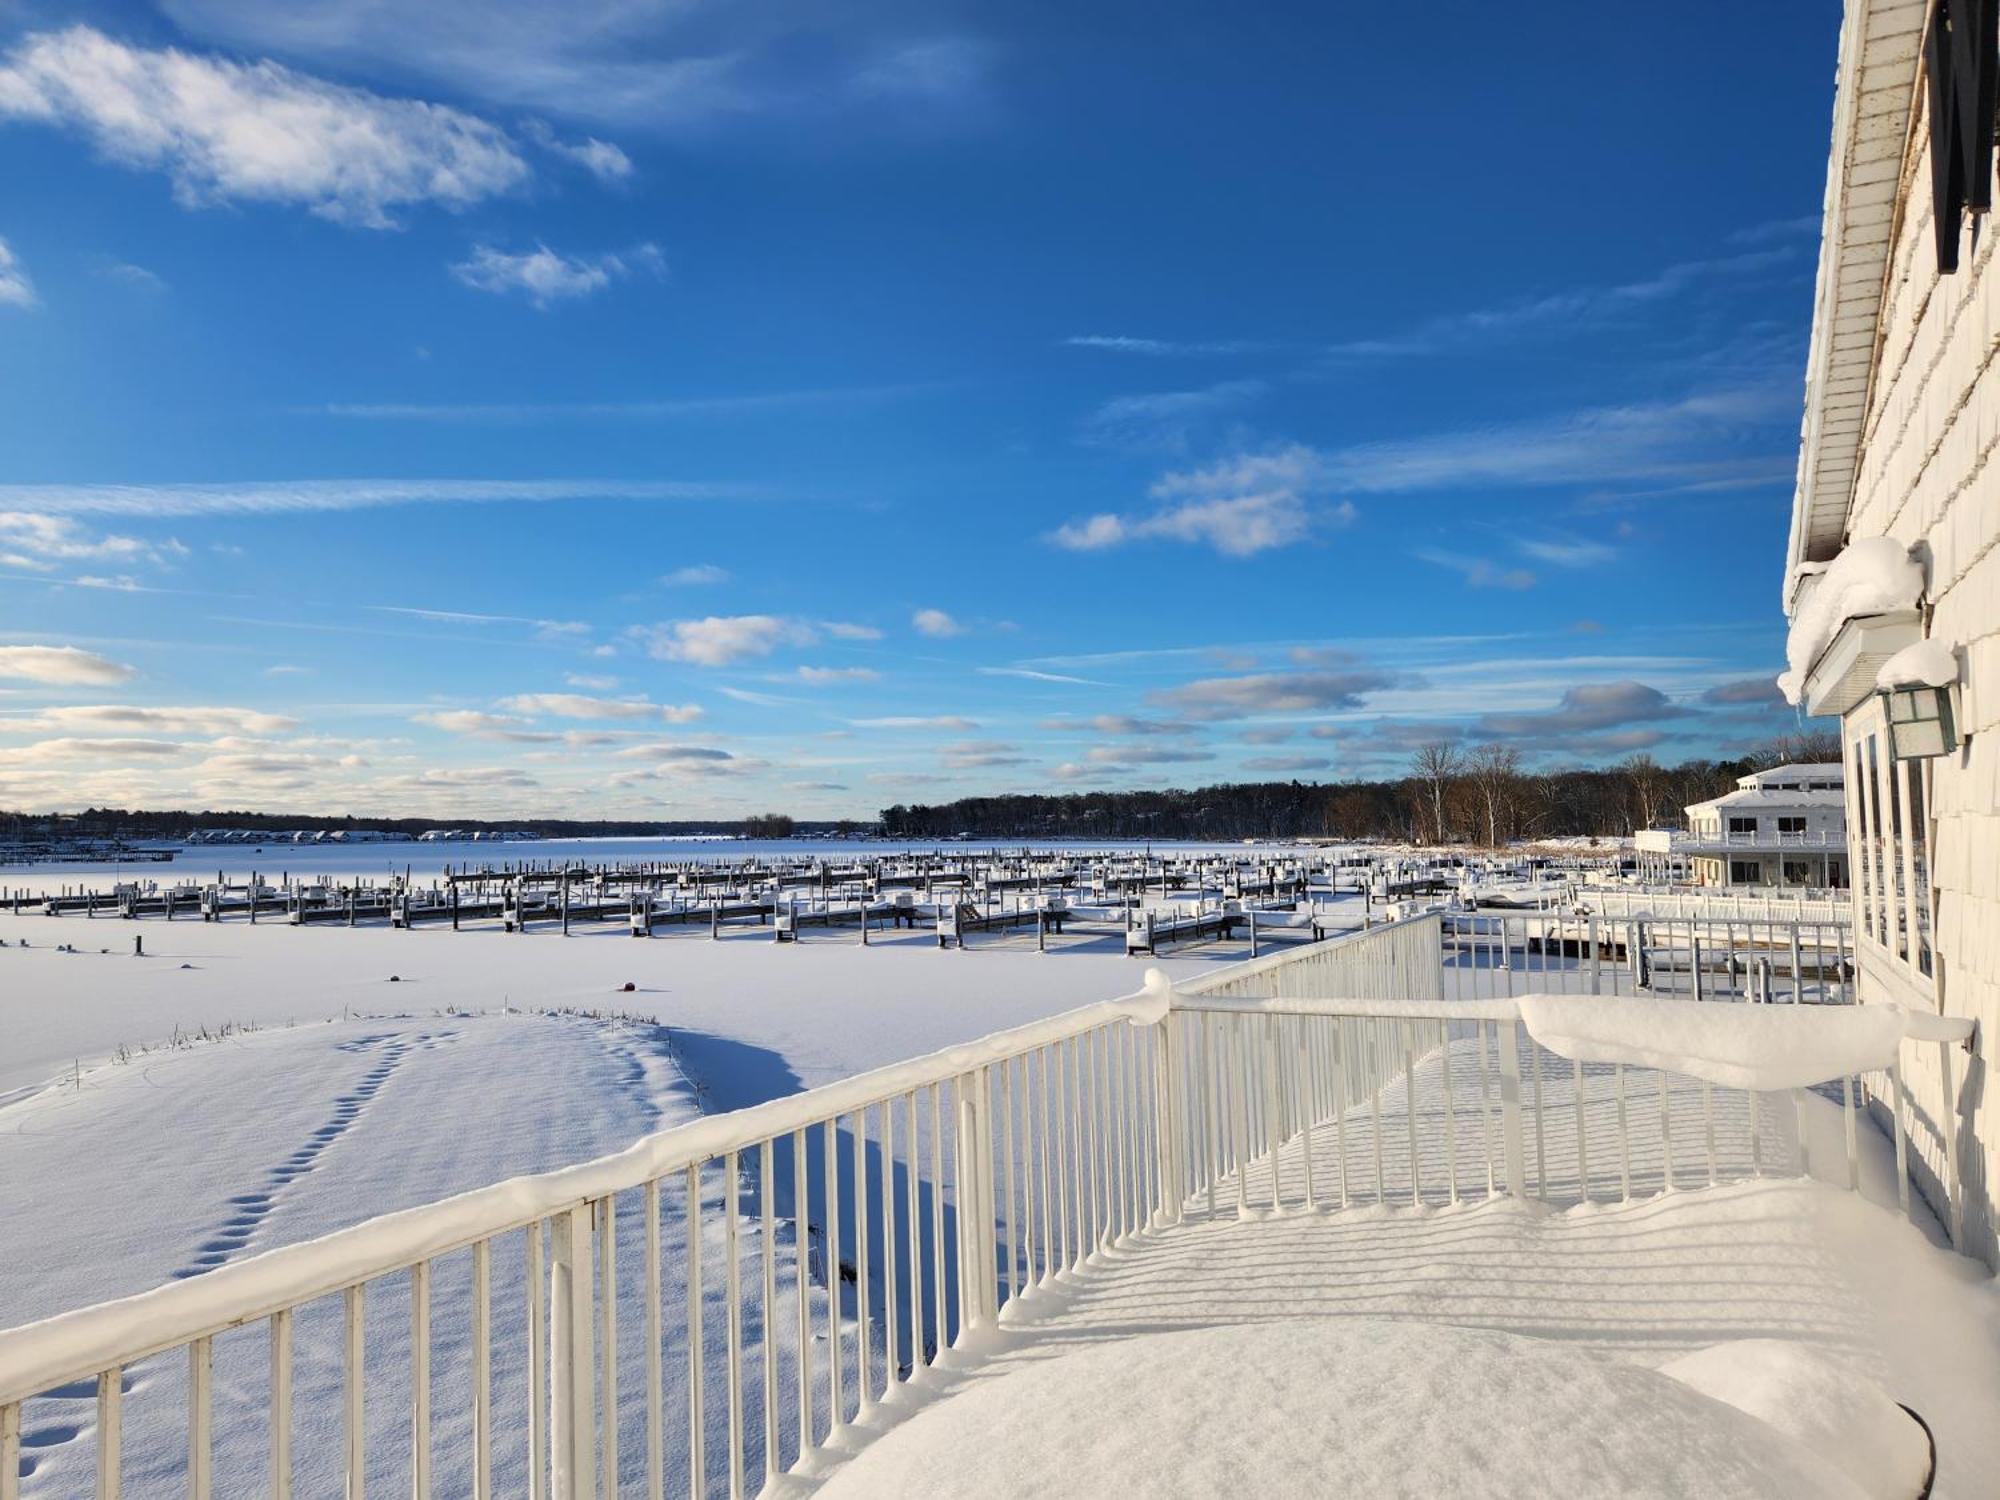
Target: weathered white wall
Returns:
[[1928, 477]]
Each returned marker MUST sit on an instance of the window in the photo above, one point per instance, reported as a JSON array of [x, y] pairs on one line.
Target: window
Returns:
[[1798, 872], [1791, 825], [1889, 817], [1746, 872], [1742, 825]]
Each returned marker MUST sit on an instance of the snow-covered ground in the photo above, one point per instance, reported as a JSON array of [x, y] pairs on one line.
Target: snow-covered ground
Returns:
[[827, 1006]]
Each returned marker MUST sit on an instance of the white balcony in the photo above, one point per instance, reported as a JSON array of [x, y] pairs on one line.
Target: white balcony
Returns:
[[794, 1294]]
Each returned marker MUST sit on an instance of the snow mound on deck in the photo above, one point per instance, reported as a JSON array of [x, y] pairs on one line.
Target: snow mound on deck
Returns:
[[1873, 576], [1818, 1399], [1761, 1047], [1319, 1407]]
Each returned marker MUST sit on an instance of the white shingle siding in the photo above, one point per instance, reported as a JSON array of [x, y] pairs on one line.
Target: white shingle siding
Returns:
[[1924, 473]]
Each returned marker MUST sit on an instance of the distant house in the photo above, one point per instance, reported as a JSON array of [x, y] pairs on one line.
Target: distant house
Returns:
[[1785, 827]]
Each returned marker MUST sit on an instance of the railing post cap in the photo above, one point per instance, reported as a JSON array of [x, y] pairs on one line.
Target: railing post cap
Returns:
[[1154, 1000]]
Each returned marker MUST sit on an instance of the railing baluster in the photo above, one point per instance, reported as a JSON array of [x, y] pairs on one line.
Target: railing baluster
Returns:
[[201, 1420], [697, 1332], [572, 1424], [1409, 1030], [111, 1422], [1210, 1130], [768, 1352], [864, 1391], [732, 1257], [801, 1240], [1708, 1129], [940, 1340], [836, 1404], [420, 1380], [1582, 1135], [1624, 1139], [356, 1434], [1666, 1135], [10, 1451], [891, 1319], [1273, 1124], [656, 1446], [1060, 1115], [1307, 1072], [1340, 1100], [1450, 1118], [914, 1230], [1006, 1074], [538, 1356]]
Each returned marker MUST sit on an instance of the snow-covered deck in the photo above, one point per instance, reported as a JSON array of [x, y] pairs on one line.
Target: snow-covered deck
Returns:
[[1642, 1281]]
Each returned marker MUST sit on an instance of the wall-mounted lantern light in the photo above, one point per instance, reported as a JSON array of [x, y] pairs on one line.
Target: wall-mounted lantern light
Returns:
[[1920, 722]]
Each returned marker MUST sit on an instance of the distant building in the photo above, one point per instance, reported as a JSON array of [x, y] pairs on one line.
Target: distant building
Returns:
[[1785, 827]]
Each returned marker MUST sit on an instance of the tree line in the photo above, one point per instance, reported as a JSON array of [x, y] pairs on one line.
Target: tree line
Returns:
[[1481, 795]]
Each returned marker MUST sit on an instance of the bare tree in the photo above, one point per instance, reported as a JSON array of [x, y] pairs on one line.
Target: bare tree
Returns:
[[1436, 766], [1648, 783], [1806, 747], [1496, 771]]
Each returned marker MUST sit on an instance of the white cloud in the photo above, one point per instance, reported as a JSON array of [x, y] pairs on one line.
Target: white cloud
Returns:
[[301, 496], [66, 749], [1272, 693], [604, 161], [719, 640], [696, 573], [916, 721], [1244, 505], [590, 682], [936, 623], [257, 131], [32, 539], [63, 666], [16, 289], [828, 676], [172, 720], [484, 726], [580, 706], [842, 630], [547, 276]]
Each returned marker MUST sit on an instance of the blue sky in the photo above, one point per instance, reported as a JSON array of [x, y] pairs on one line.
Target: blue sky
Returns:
[[681, 410]]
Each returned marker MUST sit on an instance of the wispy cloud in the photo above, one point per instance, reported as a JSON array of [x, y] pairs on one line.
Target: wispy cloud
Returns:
[[936, 624], [258, 131], [302, 496], [1478, 572], [546, 277], [16, 290], [1032, 675], [695, 575], [1567, 309], [670, 408], [1165, 421], [1118, 343], [603, 160]]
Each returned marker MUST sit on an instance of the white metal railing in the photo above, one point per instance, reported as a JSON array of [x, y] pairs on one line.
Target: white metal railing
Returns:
[[719, 1303], [1489, 954], [1721, 903]]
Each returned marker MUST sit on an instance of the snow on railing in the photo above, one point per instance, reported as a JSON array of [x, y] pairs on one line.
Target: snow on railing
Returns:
[[720, 1303]]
